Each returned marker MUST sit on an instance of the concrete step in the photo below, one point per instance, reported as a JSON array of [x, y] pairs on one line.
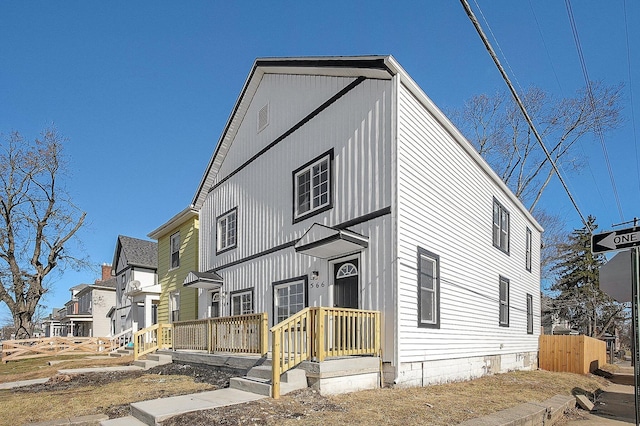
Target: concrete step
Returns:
[[145, 363], [161, 359], [251, 384], [121, 352], [258, 380], [261, 372], [123, 421]]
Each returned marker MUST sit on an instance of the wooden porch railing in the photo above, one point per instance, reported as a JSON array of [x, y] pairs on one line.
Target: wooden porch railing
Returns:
[[13, 350], [238, 334], [150, 339], [318, 333]]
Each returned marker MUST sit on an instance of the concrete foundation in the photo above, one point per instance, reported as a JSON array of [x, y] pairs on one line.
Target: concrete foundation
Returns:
[[336, 376], [424, 373]]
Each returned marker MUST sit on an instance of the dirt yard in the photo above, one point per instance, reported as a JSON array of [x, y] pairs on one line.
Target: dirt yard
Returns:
[[435, 405]]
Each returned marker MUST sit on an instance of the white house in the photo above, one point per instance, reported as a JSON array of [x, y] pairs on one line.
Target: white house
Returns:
[[338, 182], [135, 265]]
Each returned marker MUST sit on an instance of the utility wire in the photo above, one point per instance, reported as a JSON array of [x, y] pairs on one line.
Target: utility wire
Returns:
[[555, 74], [515, 95], [598, 126], [633, 115]]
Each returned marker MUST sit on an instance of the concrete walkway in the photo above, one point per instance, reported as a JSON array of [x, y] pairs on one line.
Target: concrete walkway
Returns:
[[156, 410], [616, 405]]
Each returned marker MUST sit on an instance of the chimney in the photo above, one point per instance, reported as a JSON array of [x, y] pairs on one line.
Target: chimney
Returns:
[[106, 272]]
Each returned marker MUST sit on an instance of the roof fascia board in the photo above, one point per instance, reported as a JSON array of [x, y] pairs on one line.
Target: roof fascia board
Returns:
[[176, 220]]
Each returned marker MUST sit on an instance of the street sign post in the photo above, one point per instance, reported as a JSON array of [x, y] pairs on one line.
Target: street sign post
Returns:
[[619, 240], [615, 240]]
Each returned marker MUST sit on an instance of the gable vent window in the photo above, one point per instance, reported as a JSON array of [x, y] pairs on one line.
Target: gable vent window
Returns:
[[263, 118]]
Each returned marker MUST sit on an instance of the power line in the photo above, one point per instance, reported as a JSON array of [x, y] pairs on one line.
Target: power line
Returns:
[[515, 95], [633, 114], [598, 127]]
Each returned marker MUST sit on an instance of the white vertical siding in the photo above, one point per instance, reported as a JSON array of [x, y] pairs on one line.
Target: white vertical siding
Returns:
[[445, 206], [355, 127], [290, 98]]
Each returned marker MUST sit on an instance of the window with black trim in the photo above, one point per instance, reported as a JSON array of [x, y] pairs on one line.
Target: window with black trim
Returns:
[[504, 302], [289, 298], [528, 250], [529, 314], [500, 226], [227, 231], [175, 250], [428, 289], [312, 187], [242, 302]]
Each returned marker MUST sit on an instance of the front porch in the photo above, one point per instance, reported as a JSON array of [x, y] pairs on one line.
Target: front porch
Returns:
[[243, 343]]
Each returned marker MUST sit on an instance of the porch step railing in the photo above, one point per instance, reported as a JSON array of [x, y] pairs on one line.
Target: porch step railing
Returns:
[[318, 333], [150, 339], [121, 339]]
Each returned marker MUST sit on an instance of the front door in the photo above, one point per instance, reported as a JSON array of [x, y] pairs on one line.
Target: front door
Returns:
[[345, 284]]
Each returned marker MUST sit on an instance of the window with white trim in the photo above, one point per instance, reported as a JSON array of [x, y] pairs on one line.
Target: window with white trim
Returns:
[[175, 250], [174, 306], [500, 227], [289, 298], [242, 302], [529, 314], [226, 231], [312, 187], [504, 302], [428, 289], [529, 245]]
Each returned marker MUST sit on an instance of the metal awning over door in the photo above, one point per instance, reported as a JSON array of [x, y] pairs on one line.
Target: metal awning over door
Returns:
[[205, 280], [325, 242]]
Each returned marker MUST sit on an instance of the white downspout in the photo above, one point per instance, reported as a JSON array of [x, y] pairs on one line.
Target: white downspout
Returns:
[[395, 90]]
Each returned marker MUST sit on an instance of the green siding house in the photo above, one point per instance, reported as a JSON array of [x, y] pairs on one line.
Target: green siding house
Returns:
[[177, 256]]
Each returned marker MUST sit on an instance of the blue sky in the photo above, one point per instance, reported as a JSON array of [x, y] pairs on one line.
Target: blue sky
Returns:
[[135, 85]]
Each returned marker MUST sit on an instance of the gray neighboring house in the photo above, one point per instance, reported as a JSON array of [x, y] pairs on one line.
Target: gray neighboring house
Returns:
[[135, 265], [86, 313]]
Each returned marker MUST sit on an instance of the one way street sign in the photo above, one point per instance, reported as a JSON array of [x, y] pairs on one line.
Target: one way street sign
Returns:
[[615, 240]]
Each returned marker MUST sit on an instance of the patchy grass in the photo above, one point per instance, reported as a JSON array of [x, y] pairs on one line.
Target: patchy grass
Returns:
[[37, 368], [445, 404], [21, 407], [439, 405]]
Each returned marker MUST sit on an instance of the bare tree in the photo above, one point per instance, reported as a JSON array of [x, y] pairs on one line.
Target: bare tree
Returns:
[[38, 222], [496, 127]]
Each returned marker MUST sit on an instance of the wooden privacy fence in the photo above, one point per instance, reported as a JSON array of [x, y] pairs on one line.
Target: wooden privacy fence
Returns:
[[318, 333], [13, 350], [571, 354]]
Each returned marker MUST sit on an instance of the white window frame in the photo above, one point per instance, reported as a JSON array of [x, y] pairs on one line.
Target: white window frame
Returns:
[[428, 293], [291, 309], [245, 302], [504, 301], [174, 307], [314, 194], [174, 251], [227, 231], [501, 226]]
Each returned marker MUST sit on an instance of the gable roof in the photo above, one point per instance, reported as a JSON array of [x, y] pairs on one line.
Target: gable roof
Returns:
[[380, 67], [141, 253]]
